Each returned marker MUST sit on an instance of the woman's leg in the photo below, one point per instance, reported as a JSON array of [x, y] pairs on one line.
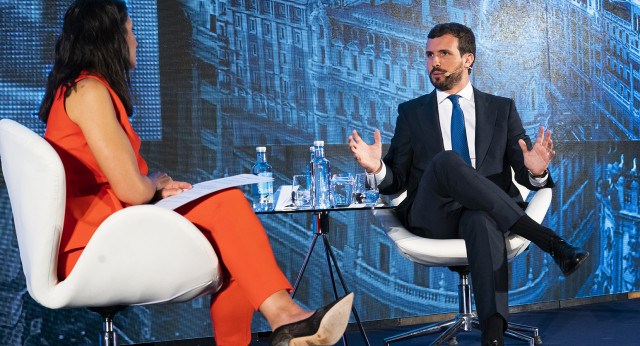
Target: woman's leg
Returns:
[[231, 314], [227, 220]]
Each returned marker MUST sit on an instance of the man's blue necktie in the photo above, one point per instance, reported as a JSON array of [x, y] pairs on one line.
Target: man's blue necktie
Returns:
[[458, 133]]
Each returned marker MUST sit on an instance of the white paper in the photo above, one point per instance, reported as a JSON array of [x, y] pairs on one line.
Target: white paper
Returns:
[[207, 187], [282, 197]]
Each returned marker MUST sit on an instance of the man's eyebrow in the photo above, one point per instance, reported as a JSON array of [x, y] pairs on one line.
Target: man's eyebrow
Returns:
[[441, 50]]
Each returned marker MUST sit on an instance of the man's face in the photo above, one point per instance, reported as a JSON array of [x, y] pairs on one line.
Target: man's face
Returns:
[[447, 68]]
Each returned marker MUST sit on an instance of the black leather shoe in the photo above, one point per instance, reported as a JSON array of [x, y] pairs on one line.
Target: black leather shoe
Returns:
[[567, 257], [493, 330], [324, 327], [493, 342]]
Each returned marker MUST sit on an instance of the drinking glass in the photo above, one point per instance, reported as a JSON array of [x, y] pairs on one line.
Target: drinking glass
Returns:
[[301, 191], [342, 189], [366, 189]]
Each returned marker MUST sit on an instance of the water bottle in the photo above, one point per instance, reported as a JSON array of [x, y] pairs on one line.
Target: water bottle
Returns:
[[309, 172], [321, 183], [312, 154], [262, 193]]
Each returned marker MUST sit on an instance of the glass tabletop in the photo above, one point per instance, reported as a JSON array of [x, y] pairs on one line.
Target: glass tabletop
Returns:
[[312, 210]]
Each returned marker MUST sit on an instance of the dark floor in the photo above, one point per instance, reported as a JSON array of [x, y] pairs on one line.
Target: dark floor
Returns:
[[608, 323]]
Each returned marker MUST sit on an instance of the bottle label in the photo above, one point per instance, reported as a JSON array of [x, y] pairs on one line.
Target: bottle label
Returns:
[[264, 193]]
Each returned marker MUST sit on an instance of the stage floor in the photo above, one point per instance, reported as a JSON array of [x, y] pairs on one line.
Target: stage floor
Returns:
[[602, 324]]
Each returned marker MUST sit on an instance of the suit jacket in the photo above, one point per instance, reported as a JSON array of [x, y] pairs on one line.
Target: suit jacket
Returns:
[[417, 139]]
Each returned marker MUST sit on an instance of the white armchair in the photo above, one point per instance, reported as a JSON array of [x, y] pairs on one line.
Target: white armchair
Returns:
[[138, 256], [453, 253]]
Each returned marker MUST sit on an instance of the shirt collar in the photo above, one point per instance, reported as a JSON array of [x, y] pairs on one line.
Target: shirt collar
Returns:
[[466, 93]]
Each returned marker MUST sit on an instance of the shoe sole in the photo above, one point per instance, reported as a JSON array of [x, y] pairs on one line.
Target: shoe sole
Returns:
[[332, 325], [577, 265]]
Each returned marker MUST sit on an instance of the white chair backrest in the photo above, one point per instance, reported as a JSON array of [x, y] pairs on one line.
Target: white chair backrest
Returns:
[[35, 181]]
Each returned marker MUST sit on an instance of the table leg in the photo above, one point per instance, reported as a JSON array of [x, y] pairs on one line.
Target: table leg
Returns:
[[329, 253], [321, 227], [304, 265]]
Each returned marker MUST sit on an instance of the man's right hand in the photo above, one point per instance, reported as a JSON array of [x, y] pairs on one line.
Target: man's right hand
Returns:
[[367, 155]]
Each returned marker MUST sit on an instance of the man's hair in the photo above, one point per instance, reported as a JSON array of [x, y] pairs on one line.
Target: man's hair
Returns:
[[466, 39], [93, 39]]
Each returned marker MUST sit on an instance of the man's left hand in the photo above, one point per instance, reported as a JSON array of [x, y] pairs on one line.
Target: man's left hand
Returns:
[[537, 159]]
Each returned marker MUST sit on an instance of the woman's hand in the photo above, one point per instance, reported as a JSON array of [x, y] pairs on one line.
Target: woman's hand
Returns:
[[166, 187]]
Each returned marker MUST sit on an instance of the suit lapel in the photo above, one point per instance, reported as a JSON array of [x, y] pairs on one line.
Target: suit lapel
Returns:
[[485, 121], [429, 121]]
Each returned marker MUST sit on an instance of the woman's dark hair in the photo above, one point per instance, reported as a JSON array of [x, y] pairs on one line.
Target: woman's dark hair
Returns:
[[93, 39]]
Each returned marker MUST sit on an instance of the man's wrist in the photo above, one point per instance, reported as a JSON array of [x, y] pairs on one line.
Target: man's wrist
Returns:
[[539, 176], [377, 170]]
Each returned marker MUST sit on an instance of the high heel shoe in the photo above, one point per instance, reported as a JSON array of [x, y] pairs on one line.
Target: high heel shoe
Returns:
[[324, 327]]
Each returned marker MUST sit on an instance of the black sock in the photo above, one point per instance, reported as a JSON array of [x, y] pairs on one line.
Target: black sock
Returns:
[[542, 236]]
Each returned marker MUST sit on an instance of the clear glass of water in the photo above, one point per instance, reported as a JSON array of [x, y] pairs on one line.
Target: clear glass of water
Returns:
[[342, 189], [366, 189], [301, 191]]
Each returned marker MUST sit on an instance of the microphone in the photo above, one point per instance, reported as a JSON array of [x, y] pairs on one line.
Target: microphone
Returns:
[[447, 74]]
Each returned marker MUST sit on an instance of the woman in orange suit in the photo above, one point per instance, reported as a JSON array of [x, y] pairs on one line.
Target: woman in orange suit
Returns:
[[86, 108]]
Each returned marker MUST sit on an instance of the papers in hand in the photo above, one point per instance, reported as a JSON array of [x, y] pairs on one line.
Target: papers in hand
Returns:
[[207, 187]]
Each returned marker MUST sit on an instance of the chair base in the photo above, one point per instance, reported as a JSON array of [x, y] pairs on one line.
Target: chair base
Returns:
[[465, 321], [108, 336]]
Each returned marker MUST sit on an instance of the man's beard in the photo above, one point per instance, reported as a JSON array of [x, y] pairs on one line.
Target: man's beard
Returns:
[[447, 83]]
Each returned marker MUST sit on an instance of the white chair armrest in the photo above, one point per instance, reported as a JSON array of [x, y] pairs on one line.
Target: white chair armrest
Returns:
[[452, 252], [141, 255]]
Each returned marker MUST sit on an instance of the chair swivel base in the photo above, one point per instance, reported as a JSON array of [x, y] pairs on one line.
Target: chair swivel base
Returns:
[[466, 321], [108, 336]]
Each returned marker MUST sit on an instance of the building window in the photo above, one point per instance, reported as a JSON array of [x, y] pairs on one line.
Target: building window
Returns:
[[370, 66], [387, 72], [281, 11], [322, 101], [212, 24], [355, 62], [266, 6], [298, 37], [356, 105], [297, 14], [384, 258]]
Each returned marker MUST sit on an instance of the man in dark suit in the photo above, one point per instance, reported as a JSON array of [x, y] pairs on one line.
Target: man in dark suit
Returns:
[[453, 151]]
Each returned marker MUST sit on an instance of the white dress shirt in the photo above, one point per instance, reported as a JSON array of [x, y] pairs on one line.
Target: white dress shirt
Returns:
[[468, 106]]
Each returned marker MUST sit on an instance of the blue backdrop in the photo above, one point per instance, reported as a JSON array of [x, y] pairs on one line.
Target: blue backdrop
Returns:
[[217, 78]]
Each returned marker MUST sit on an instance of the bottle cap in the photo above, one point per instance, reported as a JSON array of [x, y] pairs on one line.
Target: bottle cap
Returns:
[[261, 149], [318, 143], [312, 148]]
